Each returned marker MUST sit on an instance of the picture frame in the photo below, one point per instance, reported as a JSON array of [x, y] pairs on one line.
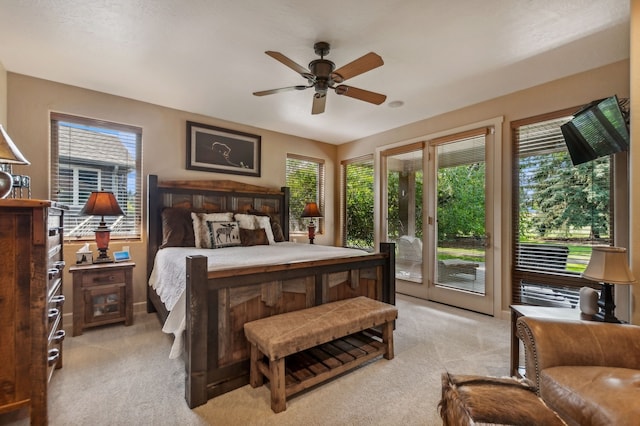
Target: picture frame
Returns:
[[219, 150]]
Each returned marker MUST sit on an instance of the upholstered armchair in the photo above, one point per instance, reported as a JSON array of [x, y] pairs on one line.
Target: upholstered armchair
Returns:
[[587, 372]]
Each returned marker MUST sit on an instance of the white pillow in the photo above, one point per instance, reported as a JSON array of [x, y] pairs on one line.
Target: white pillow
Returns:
[[247, 221], [264, 222], [201, 230]]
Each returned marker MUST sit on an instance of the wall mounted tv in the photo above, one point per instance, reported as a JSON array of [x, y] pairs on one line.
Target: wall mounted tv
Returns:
[[597, 130]]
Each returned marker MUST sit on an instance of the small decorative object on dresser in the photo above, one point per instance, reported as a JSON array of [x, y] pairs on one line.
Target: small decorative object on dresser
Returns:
[[102, 294], [31, 304]]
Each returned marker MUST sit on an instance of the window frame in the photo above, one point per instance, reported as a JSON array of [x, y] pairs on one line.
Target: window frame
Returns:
[[560, 281]]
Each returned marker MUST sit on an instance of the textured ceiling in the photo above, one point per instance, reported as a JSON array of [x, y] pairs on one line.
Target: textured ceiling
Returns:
[[207, 56]]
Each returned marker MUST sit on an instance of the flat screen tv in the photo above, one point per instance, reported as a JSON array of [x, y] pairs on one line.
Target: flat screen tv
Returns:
[[597, 130]]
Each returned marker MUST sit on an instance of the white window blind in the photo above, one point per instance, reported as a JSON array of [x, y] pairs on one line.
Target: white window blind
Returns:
[[90, 155], [357, 203], [305, 179]]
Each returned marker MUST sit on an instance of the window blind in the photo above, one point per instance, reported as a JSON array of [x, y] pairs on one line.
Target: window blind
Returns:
[[306, 180], [91, 155], [357, 203]]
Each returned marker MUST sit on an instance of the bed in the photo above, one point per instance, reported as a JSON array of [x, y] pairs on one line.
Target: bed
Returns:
[[218, 298]]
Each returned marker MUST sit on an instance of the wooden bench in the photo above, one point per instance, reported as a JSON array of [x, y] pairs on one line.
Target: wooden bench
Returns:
[[318, 344]]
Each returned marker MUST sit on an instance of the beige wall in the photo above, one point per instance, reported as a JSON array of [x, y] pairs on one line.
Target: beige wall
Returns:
[[163, 149], [568, 92], [3, 96]]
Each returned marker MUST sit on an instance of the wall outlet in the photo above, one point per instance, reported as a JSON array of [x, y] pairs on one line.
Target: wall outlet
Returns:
[[125, 248]]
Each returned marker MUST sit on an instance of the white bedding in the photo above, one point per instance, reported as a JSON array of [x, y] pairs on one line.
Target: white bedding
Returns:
[[168, 277]]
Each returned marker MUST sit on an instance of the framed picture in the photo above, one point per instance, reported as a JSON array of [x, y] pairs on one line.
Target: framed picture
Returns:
[[214, 149]]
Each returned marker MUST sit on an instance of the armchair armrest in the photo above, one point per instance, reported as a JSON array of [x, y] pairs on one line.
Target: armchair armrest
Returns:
[[550, 343]]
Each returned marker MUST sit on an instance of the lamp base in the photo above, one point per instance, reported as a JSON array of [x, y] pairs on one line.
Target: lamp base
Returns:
[[6, 183], [312, 231], [606, 304]]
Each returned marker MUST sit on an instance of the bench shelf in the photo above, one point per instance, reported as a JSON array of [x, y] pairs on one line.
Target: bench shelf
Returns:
[[308, 368]]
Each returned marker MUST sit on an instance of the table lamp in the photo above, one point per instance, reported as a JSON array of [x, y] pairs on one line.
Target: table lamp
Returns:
[[102, 203], [311, 210], [608, 265], [9, 154]]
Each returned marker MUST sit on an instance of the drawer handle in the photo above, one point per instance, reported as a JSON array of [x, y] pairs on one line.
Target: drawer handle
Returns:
[[53, 356], [53, 314], [59, 265], [59, 336], [58, 300], [53, 272]]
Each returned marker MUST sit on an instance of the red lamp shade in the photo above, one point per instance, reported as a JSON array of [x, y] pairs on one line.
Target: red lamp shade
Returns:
[[102, 203]]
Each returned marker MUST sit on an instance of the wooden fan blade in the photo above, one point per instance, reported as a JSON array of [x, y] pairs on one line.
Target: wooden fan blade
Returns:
[[319, 102], [282, 89], [361, 94], [288, 62], [357, 67]]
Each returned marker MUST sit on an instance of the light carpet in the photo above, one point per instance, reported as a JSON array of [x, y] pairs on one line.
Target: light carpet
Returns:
[[118, 375]]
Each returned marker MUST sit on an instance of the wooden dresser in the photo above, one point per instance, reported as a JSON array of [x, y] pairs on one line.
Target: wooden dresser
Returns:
[[31, 303]]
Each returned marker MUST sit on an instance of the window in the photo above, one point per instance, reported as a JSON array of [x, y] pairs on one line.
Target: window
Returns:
[[357, 203], [90, 155], [305, 179], [560, 211]]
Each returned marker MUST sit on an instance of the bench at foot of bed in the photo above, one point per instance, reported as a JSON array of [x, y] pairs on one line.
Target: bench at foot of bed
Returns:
[[317, 344]]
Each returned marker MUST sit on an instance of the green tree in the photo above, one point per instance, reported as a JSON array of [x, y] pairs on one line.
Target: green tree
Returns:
[[461, 201], [562, 197]]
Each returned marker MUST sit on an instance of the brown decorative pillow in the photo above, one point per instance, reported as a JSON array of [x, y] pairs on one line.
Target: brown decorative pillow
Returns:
[[177, 228], [253, 237], [278, 235]]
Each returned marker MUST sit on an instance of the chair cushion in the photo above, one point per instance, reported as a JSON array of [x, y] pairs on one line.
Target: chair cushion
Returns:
[[592, 395]]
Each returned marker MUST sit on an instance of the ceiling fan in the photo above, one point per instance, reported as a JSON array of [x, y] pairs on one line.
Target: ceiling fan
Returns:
[[322, 75]]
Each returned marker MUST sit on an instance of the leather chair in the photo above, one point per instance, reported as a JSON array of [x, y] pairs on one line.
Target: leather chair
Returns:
[[587, 372]]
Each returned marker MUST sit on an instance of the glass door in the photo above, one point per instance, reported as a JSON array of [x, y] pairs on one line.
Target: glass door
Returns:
[[403, 205], [459, 232]]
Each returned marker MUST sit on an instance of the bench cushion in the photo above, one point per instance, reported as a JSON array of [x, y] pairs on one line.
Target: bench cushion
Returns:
[[281, 335]]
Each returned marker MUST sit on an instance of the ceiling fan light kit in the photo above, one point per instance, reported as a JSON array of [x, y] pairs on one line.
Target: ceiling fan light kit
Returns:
[[322, 76]]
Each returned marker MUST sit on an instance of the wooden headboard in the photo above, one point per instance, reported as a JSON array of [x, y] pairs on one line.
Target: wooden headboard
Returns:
[[209, 195]]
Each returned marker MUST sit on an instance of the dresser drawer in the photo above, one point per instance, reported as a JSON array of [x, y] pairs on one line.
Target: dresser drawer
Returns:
[[103, 277]]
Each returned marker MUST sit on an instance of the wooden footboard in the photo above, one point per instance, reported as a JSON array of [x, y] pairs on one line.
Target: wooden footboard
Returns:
[[219, 303]]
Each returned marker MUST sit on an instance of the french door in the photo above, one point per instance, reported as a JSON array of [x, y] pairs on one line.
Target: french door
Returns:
[[459, 226], [437, 199]]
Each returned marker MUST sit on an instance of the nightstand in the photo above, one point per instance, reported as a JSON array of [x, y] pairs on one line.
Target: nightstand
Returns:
[[102, 294]]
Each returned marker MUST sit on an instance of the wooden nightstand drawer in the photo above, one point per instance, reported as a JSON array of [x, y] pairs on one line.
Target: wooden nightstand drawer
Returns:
[[103, 278]]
